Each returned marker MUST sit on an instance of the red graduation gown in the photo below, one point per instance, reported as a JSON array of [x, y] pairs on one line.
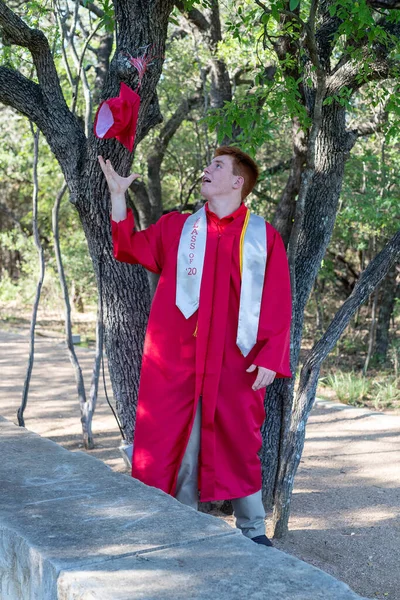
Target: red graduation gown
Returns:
[[184, 359]]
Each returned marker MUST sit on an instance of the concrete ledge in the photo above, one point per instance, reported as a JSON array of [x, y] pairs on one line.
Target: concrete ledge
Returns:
[[72, 529]]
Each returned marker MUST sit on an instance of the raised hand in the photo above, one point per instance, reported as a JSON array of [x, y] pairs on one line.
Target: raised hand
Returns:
[[116, 184]]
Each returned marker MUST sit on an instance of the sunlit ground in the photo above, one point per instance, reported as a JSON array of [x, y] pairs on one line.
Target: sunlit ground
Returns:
[[345, 508]]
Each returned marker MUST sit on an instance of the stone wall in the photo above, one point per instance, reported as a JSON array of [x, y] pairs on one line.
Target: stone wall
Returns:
[[72, 529]]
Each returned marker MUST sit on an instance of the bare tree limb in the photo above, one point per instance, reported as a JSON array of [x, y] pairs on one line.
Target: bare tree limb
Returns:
[[148, 201], [39, 285], [81, 76], [367, 283], [90, 405], [60, 20], [370, 127], [282, 165], [86, 414], [44, 103], [209, 26]]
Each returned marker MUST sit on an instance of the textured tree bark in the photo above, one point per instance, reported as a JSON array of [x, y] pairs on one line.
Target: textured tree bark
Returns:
[[333, 144], [316, 209], [125, 290], [277, 394], [103, 64], [305, 396], [314, 222]]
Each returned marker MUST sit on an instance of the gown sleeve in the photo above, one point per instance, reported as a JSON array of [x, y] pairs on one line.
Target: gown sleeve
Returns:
[[140, 247], [276, 310]]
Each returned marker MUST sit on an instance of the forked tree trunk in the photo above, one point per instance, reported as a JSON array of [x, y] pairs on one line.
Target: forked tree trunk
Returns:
[[333, 145], [305, 396], [125, 289]]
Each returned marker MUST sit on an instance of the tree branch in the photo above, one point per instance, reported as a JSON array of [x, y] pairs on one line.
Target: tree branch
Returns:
[[44, 103], [194, 16], [148, 202], [171, 126], [287, 13], [282, 165], [367, 283], [373, 126], [93, 8], [18, 33], [388, 4], [325, 34], [347, 71], [22, 94], [348, 75]]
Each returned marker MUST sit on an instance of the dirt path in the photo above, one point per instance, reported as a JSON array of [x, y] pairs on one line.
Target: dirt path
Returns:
[[346, 504]]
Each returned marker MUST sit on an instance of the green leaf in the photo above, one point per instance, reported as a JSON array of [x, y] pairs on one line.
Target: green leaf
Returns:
[[294, 4], [265, 18]]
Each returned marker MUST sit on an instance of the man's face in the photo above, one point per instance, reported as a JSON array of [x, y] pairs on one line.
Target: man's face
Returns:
[[218, 178]]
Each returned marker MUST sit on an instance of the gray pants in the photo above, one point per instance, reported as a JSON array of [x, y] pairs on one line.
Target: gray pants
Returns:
[[249, 511]]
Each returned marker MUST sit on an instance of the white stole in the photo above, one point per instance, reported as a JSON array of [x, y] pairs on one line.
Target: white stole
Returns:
[[253, 260]]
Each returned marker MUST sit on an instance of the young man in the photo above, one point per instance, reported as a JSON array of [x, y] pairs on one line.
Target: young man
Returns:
[[218, 334]]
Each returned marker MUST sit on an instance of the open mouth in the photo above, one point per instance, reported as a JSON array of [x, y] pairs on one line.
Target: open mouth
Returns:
[[206, 180]]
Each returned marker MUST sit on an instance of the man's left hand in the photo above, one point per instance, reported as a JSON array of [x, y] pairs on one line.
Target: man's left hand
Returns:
[[264, 377]]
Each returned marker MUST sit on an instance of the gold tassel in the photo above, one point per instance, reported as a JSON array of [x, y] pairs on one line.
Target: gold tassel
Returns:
[[246, 222]]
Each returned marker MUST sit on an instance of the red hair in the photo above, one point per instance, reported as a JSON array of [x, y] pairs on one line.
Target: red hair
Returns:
[[242, 165]]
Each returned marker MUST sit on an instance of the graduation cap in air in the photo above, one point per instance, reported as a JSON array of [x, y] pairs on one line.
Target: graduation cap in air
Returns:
[[117, 117]]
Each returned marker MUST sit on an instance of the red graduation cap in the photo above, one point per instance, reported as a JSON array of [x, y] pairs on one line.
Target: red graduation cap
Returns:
[[117, 117]]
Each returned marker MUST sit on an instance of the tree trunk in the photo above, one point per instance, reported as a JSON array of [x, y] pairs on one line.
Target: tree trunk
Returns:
[[292, 451], [271, 433], [125, 289], [333, 145], [389, 291], [125, 296], [372, 331]]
